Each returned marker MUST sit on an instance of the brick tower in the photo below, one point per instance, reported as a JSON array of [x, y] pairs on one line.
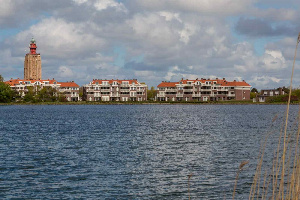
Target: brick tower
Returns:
[[32, 63]]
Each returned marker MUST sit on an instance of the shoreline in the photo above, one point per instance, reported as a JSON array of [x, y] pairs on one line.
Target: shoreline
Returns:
[[147, 103]]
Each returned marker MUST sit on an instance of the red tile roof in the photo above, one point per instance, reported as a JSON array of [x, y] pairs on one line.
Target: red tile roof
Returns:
[[68, 84], [167, 84], [111, 81], [221, 82], [236, 83]]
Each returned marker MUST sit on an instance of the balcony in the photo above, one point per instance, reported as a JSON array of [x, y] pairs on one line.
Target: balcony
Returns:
[[74, 95], [105, 90], [115, 95], [223, 90], [196, 95], [124, 90], [161, 95], [206, 90], [188, 90], [171, 90], [231, 95], [179, 95]]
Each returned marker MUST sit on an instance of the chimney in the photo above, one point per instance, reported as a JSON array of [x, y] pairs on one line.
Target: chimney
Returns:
[[217, 79], [224, 79]]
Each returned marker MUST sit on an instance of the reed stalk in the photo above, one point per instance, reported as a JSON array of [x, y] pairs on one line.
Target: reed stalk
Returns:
[[243, 163], [189, 177]]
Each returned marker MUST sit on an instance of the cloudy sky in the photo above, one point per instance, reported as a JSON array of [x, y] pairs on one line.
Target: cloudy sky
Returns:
[[153, 40]]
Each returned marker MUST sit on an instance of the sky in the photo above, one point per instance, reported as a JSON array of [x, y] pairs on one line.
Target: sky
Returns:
[[153, 40]]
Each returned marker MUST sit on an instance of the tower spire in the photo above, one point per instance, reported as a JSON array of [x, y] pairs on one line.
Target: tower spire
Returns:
[[32, 46]]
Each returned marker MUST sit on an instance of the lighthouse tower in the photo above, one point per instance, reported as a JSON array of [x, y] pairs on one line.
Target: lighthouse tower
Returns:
[[32, 63]]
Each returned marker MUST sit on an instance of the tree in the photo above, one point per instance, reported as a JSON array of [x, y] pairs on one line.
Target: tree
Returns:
[[6, 93], [286, 90], [254, 90], [1, 78], [47, 94], [252, 95], [29, 96], [151, 93]]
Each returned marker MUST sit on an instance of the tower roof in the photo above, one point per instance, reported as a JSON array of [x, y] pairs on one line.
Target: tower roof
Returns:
[[32, 41]]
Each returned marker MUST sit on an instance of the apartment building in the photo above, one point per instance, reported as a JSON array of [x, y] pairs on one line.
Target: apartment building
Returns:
[[69, 89], [203, 90], [115, 90]]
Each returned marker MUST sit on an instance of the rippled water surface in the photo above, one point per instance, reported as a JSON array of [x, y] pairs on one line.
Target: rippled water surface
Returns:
[[131, 151]]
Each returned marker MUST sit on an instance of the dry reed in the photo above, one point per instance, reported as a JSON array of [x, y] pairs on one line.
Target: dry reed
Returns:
[[284, 176], [189, 177]]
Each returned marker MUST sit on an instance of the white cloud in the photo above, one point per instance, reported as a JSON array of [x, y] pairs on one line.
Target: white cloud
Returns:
[[273, 60], [60, 39], [170, 16], [80, 1], [6, 8], [264, 81], [104, 4], [218, 7], [65, 72]]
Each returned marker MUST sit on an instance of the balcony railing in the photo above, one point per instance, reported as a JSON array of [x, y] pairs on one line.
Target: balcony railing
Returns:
[[171, 90], [188, 90], [196, 95], [161, 95], [105, 90], [222, 89], [205, 90], [115, 95], [179, 95]]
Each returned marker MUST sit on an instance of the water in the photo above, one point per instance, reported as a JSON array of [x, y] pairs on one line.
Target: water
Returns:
[[131, 151]]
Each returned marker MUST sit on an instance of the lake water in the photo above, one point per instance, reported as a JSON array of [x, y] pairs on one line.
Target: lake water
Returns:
[[132, 151]]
